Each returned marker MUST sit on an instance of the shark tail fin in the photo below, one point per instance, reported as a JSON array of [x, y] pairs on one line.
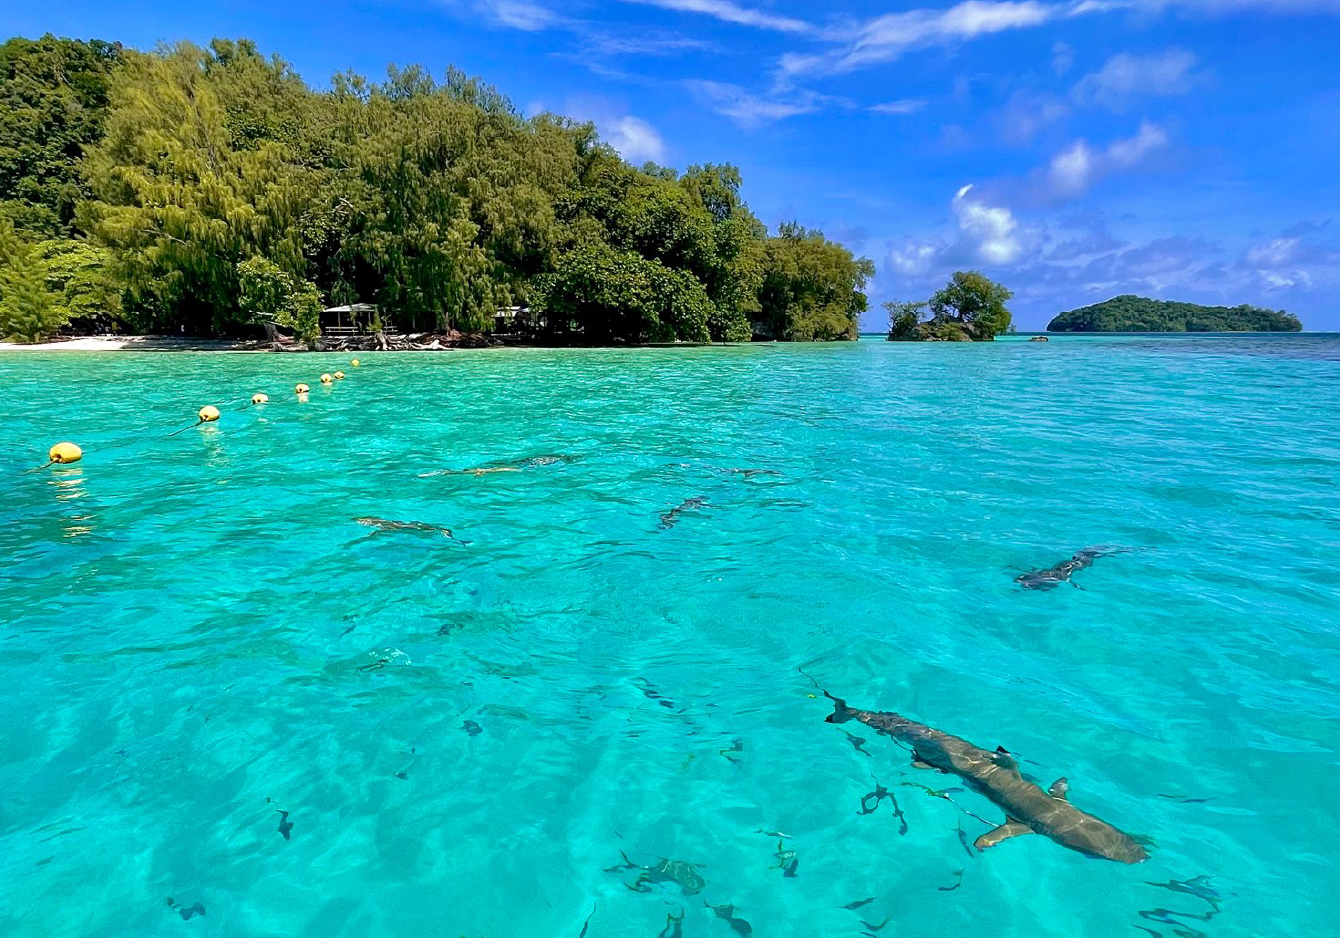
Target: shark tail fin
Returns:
[[841, 712]]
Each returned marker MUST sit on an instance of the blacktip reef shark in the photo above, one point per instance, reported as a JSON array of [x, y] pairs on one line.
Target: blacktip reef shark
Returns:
[[996, 777], [516, 465], [1053, 577], [418, 527]]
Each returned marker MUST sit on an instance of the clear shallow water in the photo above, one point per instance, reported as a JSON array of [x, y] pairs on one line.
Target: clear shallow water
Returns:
[[195, 625]]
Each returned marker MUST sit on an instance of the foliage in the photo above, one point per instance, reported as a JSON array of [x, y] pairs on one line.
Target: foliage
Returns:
[[267, 293], [609, 295], [812, 288], [1138, 314], [53, 97], [436, 199], [903, 318], [29, 311], [971, 299], [175, 199], [969, 308], [81, 274]]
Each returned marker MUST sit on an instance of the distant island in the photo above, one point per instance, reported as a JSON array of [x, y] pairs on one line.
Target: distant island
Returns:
[[1140, 314]]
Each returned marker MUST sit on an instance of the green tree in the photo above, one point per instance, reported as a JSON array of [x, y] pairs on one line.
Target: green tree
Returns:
[[29, 311], [177, 201], [80, 272], [268, 293], [435, 198], [904, 318], [812, 288], [605, 295], [971, 300], [53, 99]]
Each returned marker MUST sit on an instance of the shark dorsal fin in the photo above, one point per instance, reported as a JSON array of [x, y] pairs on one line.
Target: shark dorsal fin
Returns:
[[1060, 788], [1002, 758]]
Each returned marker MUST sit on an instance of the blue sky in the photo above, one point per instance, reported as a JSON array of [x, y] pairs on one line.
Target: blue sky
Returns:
[[1074, 150]]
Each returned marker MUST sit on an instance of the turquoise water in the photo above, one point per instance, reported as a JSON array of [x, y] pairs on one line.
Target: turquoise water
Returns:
[[465, 736]]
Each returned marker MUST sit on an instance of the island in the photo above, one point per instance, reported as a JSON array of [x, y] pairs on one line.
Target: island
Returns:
[[1140, 314], [969, 308], [212, 192]]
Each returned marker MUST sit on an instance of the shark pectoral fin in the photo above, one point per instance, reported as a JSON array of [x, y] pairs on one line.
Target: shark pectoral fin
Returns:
[[1004, 832], [919, 764], [1060, 789]]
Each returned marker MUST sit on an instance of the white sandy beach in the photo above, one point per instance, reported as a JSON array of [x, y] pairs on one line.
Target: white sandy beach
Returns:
[[138, 343]]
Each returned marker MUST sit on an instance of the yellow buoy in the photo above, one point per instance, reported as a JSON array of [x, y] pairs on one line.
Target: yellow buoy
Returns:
[[260, 399], [339, 375], [326, 379], [65, 453], [301, 389], [208, 414], [354, 363]]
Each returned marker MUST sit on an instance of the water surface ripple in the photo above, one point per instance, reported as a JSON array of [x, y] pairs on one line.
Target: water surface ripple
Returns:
[[196, 637]]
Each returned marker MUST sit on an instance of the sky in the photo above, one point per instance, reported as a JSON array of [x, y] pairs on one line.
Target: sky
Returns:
[[1073, 150]]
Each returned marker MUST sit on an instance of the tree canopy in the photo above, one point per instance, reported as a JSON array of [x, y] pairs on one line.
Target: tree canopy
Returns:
[[970, 307], [1138, 314], [207, 189]]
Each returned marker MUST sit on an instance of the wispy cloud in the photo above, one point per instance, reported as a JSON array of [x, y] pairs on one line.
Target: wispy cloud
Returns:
[[888, 37], [520, 14], [1126, 76], [900, 107], [1074, 170], [1123, 79], [751, 110], [730, 12], [660, 45]]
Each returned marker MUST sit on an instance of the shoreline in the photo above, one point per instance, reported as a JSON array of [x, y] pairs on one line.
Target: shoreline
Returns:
[[140, 343], [398, 343], [155, 343]]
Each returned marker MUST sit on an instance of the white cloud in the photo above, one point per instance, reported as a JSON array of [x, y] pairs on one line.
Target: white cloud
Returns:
[[1229, 6], [1072, 169], [912, 258], [729, 12], [1125, 76], [1076, 168], [1063, 58], [1273, 253], [992, 230], [900, 107], [519, 14], [885, 38], [1123, 154], [751, 110], [655, 45], [635, 139]]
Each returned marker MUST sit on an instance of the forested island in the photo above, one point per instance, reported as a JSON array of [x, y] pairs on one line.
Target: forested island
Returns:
[[213, 192], [969, 308], [1138, 314]]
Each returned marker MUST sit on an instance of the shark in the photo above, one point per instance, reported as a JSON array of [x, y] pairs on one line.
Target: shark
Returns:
[[671, 517], [418, 527], [995, 776], [1053, 577]]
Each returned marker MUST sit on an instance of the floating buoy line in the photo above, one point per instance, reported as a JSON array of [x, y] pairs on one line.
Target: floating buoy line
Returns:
[[66, 453]]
